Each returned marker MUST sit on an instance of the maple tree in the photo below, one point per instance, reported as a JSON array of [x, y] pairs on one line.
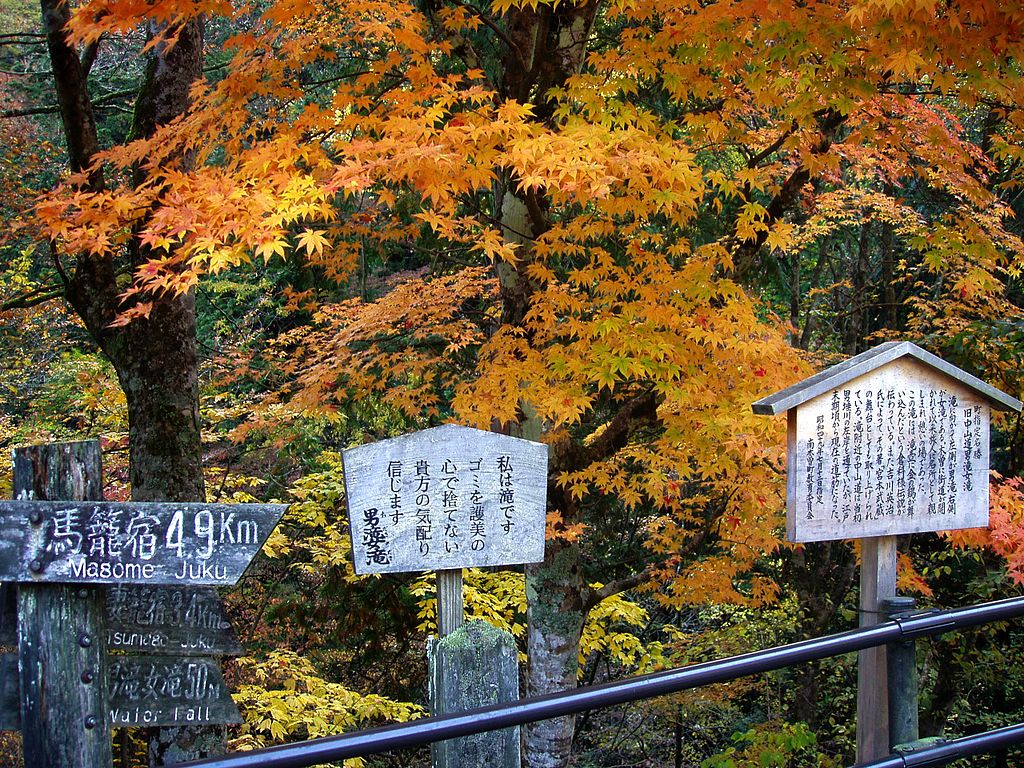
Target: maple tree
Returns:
[[599, 185]]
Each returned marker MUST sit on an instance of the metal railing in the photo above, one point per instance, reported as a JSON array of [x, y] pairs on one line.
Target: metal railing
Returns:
[[957, 749], [419, 732]]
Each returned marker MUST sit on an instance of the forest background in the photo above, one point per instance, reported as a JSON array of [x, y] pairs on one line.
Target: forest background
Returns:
[[239, 237]]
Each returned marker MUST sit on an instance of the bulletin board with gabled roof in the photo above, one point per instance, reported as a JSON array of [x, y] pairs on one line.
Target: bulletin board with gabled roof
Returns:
[[892, 441]]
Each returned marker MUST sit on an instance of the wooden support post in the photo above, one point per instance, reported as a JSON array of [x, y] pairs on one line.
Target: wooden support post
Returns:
[[474, 666], [901, 668], [62, 639], [450, 612], [877, 583]]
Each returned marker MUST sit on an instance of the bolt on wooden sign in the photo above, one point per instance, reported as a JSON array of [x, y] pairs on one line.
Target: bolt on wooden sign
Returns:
[[892, 441], [144, 691], [446, 498], [184, 626], [140, 549], [131, 543]]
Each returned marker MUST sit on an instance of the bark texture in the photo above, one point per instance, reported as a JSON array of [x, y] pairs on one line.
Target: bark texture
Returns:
[[155, 358], [555, 617]]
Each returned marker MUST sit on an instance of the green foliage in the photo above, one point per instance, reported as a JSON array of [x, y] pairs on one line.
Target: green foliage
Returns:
[[775, 744], [495, 596], [611, 632]]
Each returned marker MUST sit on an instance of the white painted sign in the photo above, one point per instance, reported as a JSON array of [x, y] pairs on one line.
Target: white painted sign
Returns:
[[445, 498], [900, 450], [892, 441]]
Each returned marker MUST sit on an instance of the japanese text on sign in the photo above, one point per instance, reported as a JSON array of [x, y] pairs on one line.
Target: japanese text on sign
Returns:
[[423, 503], [131, 543], [889, 455]]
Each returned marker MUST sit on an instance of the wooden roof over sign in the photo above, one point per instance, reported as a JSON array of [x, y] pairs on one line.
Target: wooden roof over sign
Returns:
[[865, 362]]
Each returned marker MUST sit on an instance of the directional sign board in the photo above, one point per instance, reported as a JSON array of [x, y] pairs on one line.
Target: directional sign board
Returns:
[[144, 691], [169, 620], [165, 690], [446, 498], [131, 543], [892, 441]]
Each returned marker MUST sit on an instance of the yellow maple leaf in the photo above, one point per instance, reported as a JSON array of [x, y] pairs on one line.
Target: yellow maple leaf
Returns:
[[313, 241]]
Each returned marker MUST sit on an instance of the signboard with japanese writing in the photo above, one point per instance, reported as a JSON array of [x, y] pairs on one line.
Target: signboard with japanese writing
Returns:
[[893, 441], [165, 690], [169, 620], [144, 691], [445, 498], [131, 543]]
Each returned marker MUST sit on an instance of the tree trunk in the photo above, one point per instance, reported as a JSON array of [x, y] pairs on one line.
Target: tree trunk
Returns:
[[155, 358], [545, 46], [555, 621], [157, 365], [554, 588]]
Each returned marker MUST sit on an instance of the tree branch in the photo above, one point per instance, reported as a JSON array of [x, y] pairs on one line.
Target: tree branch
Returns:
[[89, 55], [591, 597], [772, 148], [33, 298], [498, 31], [570, 456], [746, 251], [52, 109], [9, 114]]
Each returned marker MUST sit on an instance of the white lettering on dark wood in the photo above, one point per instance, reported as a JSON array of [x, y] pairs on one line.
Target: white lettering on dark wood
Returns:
[[167, 690], [132, 543]]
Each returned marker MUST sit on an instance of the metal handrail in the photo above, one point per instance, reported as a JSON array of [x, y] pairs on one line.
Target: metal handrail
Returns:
[[419, 732], [957, 749]]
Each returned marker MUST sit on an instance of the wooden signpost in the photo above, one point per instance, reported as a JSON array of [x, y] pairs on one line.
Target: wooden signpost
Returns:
[[153, 543], [168, 690], [445, 499], [155, 559], [893, 441]]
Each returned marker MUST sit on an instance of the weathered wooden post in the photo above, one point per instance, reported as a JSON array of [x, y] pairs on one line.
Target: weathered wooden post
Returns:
[[474, 666], [61, 627], [445, 499], [901, 674], [893, 441]]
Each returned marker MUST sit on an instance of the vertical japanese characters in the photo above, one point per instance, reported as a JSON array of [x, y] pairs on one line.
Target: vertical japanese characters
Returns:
[[469, 504], [446, 498], [890, 453]]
